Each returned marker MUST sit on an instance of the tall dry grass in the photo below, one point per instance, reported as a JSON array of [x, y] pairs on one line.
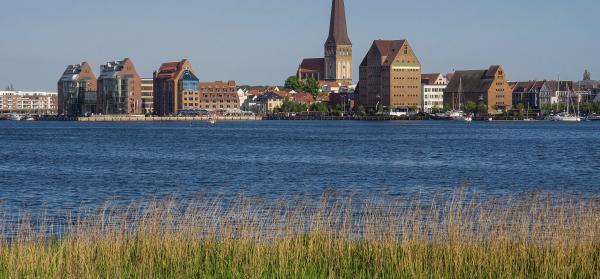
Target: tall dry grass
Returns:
[[525, 236]]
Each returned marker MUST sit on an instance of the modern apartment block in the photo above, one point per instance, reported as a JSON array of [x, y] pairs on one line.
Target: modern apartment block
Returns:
[[489, 87], [175, 88], [219, 96], [119, 88], [148, 95], [77, 90], [337, 63], [45, 103], [433, 86], [390, 76]]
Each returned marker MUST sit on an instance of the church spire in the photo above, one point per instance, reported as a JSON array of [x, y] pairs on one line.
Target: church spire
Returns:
[[338, 32]]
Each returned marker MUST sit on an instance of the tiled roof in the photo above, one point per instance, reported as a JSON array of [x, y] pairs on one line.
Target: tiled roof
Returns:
[[473, 80], [429, 79], [313, 64]]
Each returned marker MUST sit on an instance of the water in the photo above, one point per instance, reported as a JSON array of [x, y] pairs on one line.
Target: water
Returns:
[[63, 165]]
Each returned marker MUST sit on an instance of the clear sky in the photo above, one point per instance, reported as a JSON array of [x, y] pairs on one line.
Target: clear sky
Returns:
[[263, 41]]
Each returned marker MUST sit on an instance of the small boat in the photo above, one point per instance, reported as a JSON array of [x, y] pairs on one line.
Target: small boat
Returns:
[[212, 119], [566, 117], [593, 118], [15, 117]]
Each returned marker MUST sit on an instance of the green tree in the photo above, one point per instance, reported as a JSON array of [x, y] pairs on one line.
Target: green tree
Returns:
[[320, 107], [362, 110], [482, 109], [311, 85], [470, 106], [293, 83], [587, 75], [587, 107], [597, 107], [447, 107], [520, 108]]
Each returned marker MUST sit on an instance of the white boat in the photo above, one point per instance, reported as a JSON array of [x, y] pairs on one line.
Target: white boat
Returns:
[[566, 117], [30, 118], [16, 117], [458, 115], [213, 118]]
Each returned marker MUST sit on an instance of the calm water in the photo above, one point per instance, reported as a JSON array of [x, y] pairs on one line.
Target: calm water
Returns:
[[60, 165]]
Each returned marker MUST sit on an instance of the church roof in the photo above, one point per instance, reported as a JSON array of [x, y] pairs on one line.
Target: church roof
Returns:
[[313, 64], [338, 30]]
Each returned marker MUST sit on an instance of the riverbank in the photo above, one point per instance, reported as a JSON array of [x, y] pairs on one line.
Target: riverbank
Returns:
[[525, 236]]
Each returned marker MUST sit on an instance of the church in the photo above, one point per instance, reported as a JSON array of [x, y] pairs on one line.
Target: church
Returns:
[[336, 66]]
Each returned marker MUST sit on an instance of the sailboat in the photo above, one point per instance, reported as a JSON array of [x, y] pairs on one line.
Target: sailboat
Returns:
[[459, 115], [567, 116]]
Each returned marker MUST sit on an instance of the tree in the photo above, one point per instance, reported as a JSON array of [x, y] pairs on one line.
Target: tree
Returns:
[[293, 83], [320, 107], [362, 110], [470, 106], [587, 75], [520, 108], [482, 109], [311, 85]]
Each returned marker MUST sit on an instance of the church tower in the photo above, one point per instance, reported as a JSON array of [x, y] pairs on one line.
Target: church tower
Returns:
[[338, 48]]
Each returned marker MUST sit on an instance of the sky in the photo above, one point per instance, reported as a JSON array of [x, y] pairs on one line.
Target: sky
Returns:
[[263, 41]]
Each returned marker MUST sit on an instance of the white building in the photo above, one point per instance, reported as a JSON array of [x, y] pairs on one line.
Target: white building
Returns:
[[29, 102], [432, 92]]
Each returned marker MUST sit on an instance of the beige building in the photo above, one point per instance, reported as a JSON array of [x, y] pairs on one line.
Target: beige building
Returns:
[[269, 102], [29, 102], [148, 95], [218, 96], [488, 87], [390, 76]]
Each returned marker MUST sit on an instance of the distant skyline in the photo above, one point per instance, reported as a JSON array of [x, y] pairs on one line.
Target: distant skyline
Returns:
[[262, 42]]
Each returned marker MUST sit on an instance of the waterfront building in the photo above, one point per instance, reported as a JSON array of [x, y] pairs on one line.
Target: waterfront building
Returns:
[[176, 88], [119, 88], [77, 90], [390, 76], [527, 93], [269, 102], [432, 96], [41, 103], [337, 63], [242, 97], [555, 92], [219, 96], [488, 87], [148, 95]]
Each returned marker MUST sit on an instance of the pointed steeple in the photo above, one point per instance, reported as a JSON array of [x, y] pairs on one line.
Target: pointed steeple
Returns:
[[338, 31]]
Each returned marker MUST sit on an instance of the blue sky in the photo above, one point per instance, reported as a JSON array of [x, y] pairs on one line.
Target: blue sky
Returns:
[[262, 41]]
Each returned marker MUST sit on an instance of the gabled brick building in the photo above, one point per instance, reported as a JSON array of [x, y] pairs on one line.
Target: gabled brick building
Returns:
[[119, 88], [489, 87], [390, 76]]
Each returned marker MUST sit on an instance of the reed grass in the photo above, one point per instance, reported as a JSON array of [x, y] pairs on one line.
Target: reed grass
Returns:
[[462, 236]]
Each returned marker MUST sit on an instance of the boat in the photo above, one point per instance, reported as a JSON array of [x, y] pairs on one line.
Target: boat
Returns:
[[567, 116], [15, 117], [458, 115], [30, 118], [212, 119], [593, 118]]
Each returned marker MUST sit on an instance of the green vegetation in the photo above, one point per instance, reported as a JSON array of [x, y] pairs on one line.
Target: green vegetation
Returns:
[[525, 236], [309, 85], [587, 75], [291, 106], [320, 107]]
